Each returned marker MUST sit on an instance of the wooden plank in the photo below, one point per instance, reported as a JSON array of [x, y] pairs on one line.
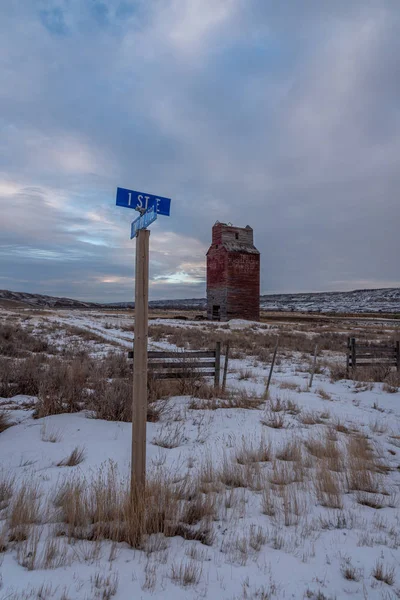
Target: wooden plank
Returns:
[[376, 360], [375, 355], [182, 355], [375, 349], [377, 364], [182, 365], [183, 375], [178, 355]]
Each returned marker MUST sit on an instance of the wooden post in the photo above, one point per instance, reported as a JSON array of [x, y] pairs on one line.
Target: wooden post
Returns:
[[353, 355], [139, 408], [217, 364], [398, 355], [348, 358], [225, 366], [313, 366], [272, 367]]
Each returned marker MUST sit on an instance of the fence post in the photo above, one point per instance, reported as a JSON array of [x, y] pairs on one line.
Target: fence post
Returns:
[[225, 366], [398, 355], [348, 358], [272, 368], [353, 355], [217, 364], [313, 366]]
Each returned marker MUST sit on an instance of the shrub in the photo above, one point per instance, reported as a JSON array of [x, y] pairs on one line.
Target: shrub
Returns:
[[112, 400], [15, 341], [62, 388]]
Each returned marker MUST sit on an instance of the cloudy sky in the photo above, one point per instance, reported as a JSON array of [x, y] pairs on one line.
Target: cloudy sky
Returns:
[[282, 115]]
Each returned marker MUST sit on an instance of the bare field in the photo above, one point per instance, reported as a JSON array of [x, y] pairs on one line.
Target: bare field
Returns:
[[243, 486]]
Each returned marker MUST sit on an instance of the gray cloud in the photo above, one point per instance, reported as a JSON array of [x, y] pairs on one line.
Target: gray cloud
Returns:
[[281, 115]]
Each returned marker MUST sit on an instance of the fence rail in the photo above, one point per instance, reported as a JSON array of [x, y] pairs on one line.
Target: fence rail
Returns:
[[184, 365], [371, 355]]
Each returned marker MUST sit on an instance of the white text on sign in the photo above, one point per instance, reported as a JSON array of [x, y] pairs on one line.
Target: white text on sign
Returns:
[[143, 202]]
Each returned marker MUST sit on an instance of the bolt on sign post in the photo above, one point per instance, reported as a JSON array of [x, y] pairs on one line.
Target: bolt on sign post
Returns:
[[150, 207]]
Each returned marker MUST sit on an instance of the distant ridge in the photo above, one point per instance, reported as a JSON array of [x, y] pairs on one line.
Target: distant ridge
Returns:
[[385, 300]]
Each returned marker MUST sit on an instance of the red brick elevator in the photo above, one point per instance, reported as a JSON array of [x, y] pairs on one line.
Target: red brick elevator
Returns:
[[233, 274]]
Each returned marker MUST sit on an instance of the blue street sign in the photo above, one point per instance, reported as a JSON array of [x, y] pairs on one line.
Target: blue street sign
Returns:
[[143, 221], [141, 201]]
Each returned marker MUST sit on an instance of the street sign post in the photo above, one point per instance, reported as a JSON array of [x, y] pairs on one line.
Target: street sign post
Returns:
[[143, 221], [141, 201], [150, 207]]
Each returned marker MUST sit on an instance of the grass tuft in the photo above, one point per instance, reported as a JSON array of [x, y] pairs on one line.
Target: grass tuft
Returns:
[[76, 457]]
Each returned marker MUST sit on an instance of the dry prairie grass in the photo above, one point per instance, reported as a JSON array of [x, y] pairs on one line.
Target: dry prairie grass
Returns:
[[294, 506], [373, 500], [104, 586], [48, 434], [383, 573], [255, 343], [7, 484], [292, 408], [323, 394], [364, 471], [102, 509], [62, 387], [348, 571], [289, 385], [322, 447], [253, 452], [329, 488], [21, 376], [284, 473], [233, 475], [274, 420], [171, 435], [186, 573], [5, 421], [268, 501], [276, 404], [230, 399], [18, 341], [378, 426], [245, 374], [24, 510], [291, 451], [76, 457], [310, 418]]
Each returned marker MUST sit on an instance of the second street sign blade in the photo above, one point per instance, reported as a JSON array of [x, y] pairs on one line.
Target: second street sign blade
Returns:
[[142, 202], [143, 221]]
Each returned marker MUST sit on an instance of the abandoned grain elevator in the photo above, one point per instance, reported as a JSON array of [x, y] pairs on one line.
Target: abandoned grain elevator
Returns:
[[233, 274]]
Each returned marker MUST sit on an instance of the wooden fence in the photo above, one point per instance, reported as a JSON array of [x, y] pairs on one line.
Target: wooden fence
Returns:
[[185, 365], [371, 355]]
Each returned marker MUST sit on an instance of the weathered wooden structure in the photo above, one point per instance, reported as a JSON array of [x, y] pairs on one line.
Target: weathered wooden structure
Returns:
[[184, 365], [371, 355], [233, 274]]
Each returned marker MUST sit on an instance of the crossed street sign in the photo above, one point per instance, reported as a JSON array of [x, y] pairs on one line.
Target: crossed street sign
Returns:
[[143, 221]]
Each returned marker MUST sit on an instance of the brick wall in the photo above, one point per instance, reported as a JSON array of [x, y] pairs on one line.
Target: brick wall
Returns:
[[243, 292]]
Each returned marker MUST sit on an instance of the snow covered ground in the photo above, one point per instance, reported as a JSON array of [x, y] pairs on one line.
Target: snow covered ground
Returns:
[[305, 488]]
